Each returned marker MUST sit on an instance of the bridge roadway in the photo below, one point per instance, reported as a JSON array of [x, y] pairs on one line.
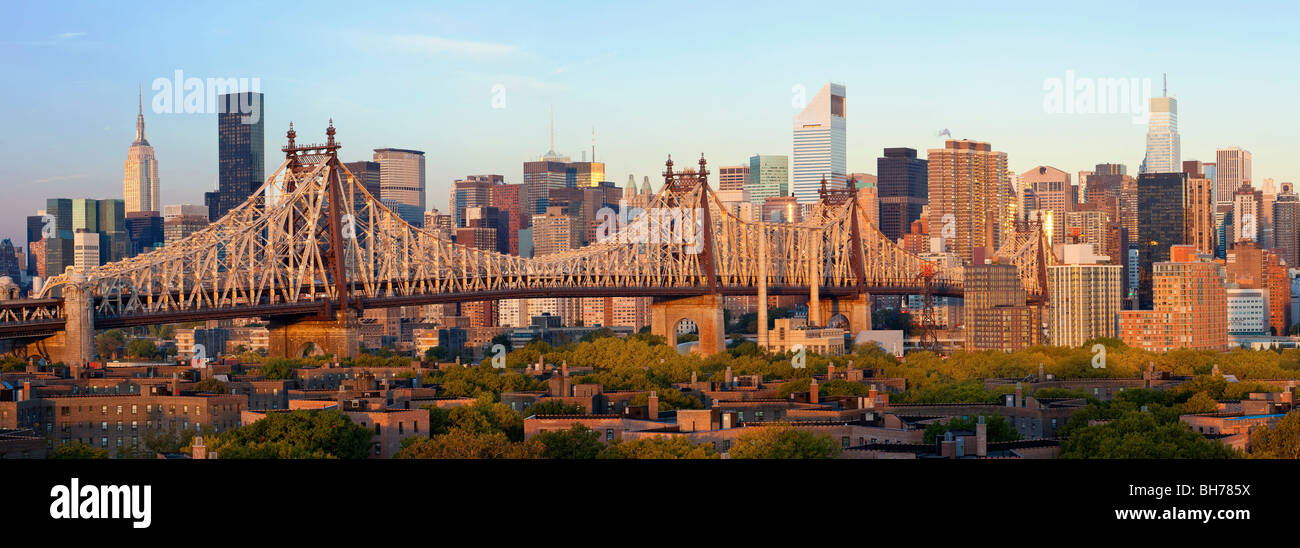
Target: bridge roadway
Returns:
[[325, 306]]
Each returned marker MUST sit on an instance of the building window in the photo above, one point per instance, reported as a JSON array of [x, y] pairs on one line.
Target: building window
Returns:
[[609, 434]]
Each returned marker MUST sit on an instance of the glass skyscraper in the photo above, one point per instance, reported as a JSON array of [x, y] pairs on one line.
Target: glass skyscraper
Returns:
[[241, 151], [1162, 211], [819, 144], [902, 181], [1163, 153], [769, 175]]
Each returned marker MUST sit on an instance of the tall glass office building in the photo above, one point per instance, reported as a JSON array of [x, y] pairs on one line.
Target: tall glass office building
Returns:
[[241, 151], [819, 144], [1162, 215], [1163, 153], [769, 175]]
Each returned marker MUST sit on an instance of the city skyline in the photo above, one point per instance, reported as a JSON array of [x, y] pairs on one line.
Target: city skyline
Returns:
[[595, 86]]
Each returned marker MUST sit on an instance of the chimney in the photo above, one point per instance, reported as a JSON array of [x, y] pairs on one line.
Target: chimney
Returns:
[[981, 438], [1041, 373], [871, 397], [693, 378], [653, 402], [1214, 372], [1019, 394], [176, 384], [564, 368], [729, 377], [812, 390], [27, 391], [198, 451], [830, 372], [418, 379]]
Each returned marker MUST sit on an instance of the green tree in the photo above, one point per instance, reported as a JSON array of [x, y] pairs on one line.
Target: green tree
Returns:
[[1139, 435], [464, 444], [78, 450], [12, 363], [783, 442], [483, 417], [1200, 402], [277, 369], [109, 343], [143, 349], [578, 442], [1280, 441], [300, 434], [503, 340], [435, 354], [551, 406], [211, 385], [658, 448]]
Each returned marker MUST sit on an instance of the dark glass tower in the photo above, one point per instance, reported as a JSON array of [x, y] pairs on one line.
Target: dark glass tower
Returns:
[[1161, 220], [903, 187], [241, 167]]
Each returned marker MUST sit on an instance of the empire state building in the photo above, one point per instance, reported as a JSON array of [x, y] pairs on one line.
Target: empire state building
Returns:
[[140, 178]]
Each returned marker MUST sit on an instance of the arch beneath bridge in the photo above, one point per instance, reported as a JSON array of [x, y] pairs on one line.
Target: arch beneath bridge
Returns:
[[296, 338], [704, 310], [857, 310]]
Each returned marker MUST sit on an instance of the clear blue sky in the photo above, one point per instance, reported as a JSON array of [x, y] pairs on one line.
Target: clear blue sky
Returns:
[[653, 79]]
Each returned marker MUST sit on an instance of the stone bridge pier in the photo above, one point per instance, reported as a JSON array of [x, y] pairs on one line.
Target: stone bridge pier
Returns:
[[75, 345], [857, 310], [704, 310], [300, 337]]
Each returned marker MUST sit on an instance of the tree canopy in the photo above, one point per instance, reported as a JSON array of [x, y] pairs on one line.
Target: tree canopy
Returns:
[[1280, 441], [783, 442], [297, 434]]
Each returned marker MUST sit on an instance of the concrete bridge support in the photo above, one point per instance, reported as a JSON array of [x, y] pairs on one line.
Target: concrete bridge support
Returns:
[[704, 310], [75, 345], [857, 310], [297, 338]]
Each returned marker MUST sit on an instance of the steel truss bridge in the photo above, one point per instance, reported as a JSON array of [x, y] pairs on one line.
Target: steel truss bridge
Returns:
[[311, 242]]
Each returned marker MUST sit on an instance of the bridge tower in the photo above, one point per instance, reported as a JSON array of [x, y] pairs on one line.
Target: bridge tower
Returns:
[[855, 308], [335, 329], [688, 191], [75, 344]]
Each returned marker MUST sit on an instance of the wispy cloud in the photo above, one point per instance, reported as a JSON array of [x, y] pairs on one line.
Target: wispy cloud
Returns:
[[62, 39]]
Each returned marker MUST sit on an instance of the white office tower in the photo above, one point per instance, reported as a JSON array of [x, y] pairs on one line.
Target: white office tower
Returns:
[[819, 144], [1163, 152]]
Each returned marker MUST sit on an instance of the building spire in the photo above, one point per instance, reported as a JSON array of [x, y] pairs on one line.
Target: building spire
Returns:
[[1164, 89], [139, 118]]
